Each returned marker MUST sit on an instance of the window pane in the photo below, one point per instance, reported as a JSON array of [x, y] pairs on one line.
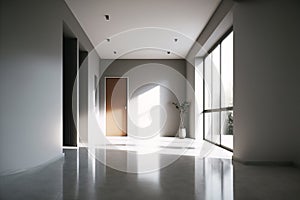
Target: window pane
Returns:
[[207, 126], [218, 91], [215, 67], [208, 82], [216, 127], [227, 129], [227, 71]]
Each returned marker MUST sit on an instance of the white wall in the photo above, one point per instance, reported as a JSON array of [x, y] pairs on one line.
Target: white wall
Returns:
[[31, 81], [266, 102], [198, 115], [190, 97], [93, 107], [143, 75]]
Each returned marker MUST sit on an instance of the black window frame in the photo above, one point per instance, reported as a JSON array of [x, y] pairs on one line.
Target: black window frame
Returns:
[[214, 110]]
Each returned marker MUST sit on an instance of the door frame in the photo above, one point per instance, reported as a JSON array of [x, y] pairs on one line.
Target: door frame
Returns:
[[127, 100]]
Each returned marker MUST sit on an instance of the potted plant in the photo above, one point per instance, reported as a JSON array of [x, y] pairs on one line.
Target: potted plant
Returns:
[[182, 108], [228, 125]]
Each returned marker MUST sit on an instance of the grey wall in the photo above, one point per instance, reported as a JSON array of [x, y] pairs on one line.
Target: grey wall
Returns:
[[266, 102], [31, 81], [190, 97], [220, 13], [145, 74], [83, 99]]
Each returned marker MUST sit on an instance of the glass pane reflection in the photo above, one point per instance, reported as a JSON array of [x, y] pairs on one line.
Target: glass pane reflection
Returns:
[[216, 127], [208, 82], [208, 126], [215, 67], [227, 71]]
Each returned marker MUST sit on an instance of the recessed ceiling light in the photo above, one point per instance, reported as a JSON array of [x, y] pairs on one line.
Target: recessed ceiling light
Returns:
[[115, 52], [108, 40], [107, 17], [175, 39], [168, 52]]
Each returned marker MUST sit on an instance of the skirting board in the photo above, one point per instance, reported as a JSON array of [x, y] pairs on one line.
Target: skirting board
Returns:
[[11, 172], [263, 163]]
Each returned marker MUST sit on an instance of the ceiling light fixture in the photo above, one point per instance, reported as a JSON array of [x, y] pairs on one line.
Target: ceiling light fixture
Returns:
[[106, 17]]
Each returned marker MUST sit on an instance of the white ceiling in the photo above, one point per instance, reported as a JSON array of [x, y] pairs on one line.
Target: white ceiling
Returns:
[[140, 29]]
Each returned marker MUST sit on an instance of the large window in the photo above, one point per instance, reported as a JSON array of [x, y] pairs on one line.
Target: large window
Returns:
[[218, 93]]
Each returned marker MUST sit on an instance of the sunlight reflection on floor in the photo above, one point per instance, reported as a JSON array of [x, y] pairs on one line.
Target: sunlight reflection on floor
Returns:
[[166, 145]]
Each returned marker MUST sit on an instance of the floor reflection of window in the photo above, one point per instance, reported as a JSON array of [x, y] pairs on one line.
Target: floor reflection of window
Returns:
[[218, 176]]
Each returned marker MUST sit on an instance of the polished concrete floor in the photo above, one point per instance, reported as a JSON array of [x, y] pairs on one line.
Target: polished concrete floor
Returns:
[[80, 176]]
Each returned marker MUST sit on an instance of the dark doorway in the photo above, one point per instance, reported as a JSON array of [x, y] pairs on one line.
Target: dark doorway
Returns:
[[70, 67]]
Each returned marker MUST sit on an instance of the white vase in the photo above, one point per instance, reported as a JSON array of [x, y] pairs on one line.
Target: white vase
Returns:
[[182, 133]]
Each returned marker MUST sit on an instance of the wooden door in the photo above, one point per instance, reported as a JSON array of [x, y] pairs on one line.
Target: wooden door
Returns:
[[116, 106]]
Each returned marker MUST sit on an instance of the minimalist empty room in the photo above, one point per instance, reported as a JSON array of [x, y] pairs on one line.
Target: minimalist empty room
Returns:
[[140, 99]]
